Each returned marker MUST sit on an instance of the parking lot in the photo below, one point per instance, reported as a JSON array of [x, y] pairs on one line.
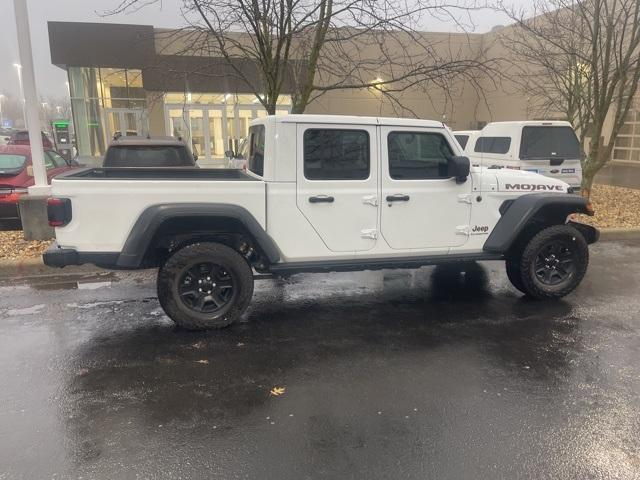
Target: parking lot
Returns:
[[418, 374]]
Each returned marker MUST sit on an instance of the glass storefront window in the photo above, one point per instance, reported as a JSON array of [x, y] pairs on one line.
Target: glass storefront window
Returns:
[[212, 123], [106, 102]]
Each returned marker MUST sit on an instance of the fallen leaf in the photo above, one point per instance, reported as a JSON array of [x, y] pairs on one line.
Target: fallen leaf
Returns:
[[277, 391]]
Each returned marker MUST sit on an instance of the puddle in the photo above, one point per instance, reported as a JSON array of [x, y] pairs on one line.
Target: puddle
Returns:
[[95, 304], [12, 312]]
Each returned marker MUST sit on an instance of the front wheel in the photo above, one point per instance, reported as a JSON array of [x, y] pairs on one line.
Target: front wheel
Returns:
[[553, 262], [205, 285]]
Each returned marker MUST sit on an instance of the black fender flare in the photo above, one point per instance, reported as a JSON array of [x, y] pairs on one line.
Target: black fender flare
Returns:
[[151, 219], [552, 208]]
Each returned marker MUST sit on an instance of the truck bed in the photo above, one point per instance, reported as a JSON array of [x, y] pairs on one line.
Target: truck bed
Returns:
[[158, 173], [106, 202]]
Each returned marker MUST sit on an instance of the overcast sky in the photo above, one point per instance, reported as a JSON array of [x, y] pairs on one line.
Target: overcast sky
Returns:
[[51, 80]]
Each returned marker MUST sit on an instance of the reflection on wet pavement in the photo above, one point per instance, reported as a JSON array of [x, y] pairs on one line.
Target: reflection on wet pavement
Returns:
[[434, 373]]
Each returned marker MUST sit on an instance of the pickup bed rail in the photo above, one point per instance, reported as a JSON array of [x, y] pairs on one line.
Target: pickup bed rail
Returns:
[[157, 173]]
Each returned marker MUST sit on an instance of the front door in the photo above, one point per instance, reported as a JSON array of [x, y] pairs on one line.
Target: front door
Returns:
[[422, 205], [337, 187]]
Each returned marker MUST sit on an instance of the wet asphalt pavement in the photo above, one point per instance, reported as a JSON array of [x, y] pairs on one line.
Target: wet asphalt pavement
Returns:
[[393, 374]]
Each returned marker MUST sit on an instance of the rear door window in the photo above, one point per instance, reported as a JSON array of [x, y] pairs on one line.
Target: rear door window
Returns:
[[549, 142], [499, 145]]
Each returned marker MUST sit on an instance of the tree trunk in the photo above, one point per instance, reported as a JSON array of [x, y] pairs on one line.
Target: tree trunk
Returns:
[[298, 108]]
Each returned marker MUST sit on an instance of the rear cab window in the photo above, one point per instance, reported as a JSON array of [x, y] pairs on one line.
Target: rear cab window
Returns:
[[549, 142], [255, 160], [336, 154]]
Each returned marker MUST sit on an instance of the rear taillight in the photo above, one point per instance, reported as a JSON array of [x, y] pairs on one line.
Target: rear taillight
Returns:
[[59, 211]]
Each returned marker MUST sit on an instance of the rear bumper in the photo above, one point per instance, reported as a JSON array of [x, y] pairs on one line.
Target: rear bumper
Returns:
[[58, 257]]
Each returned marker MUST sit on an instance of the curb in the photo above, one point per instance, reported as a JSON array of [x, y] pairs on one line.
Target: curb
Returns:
[[32, 267], [617, 234]]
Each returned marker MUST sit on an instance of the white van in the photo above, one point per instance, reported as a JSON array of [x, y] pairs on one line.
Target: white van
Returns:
[[550, 148]]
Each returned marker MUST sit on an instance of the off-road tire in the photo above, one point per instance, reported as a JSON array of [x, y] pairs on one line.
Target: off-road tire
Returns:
[[173, 270], [564, 236]]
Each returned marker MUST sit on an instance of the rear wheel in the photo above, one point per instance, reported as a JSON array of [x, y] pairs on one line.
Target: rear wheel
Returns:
[[553, 262], [205, 285]]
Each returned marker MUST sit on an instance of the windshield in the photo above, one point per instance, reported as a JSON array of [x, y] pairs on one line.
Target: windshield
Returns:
[[148, 156], [543, 143], [11, 163]]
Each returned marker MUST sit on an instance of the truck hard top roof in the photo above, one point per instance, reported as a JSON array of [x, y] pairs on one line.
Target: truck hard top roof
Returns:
[[531, 123], [139, 141], [357, 120]]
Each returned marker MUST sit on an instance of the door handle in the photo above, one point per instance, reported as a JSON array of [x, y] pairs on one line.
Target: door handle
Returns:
[[398, 198], [321, 199]]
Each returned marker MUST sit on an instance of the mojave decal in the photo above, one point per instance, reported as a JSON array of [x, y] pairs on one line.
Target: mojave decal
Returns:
[[534, 187]]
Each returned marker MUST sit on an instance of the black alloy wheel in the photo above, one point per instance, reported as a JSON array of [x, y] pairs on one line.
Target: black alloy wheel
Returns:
[[206, 287], [555, 262]]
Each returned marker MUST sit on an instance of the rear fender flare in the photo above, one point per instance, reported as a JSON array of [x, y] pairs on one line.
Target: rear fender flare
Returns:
[[151, 220]]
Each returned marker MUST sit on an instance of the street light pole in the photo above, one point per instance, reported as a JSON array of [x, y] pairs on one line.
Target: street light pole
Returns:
[[32, 109], [1, 119]]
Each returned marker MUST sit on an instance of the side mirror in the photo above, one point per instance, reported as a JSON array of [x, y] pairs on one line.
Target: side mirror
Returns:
[[459, 168], [30, 170]]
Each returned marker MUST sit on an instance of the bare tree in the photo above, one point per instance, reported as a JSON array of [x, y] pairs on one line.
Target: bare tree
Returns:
[[581, 58], [310, 47]]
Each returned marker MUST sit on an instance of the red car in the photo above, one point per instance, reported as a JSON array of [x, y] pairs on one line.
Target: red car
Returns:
[[21, 137], [16, 174]]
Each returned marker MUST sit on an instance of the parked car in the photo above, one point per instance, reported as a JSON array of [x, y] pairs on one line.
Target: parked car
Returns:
[[21, 137], [321, 193], [550, 148], [16, 175], [136, 151]]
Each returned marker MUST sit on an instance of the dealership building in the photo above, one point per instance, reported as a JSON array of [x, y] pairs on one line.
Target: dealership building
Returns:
[[128, 79]]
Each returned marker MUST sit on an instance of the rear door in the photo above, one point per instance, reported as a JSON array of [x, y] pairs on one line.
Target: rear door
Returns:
[[337, 183], [422, 205], [553, 151]]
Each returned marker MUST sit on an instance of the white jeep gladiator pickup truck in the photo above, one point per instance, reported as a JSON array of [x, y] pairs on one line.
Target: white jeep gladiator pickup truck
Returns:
[[322, 193]]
